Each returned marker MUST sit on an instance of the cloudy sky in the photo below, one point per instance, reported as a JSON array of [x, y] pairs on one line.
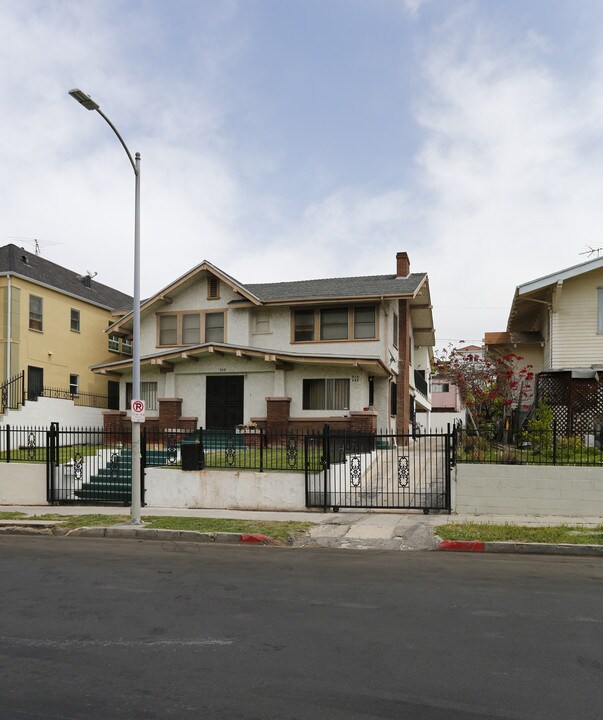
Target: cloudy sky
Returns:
[[292, 139]]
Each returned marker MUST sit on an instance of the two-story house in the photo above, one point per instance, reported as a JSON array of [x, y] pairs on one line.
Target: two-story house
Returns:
[[354, 352], [52, 329], [556, 324]]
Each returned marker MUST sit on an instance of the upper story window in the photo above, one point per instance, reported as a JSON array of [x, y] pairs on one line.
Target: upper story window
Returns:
[[75, 320], [440, 387], [189, 328], [126, 346], [213, 288], [333, 324], [113, 343], [35, 313], [396, 329], [74, 382], [262, 323]]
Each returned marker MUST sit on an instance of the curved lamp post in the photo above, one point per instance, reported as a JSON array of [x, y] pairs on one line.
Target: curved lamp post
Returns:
[[89, 104]]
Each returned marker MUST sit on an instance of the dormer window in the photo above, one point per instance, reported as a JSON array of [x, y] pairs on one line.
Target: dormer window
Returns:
[[213, 288]]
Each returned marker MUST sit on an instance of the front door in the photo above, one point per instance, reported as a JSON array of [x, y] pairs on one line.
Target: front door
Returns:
[[35, 382], [112, 395], [223, 402]]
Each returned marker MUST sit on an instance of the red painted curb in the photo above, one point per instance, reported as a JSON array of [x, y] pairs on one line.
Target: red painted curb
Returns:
[[254, 538], [463, 545]]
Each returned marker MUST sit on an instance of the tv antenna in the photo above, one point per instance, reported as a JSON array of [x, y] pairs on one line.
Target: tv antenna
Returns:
[[36, 242], [591, 251]]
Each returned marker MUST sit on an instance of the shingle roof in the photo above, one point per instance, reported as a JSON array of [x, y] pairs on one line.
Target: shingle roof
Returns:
[[367, 286], [15, 260]]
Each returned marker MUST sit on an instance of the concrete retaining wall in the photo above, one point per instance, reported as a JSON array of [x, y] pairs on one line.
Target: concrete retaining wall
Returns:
[[43, 411], [528, 490], [232, 489], [22, 484]]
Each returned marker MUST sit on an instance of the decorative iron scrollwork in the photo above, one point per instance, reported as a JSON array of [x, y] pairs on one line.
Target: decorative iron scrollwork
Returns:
[[355, 471], [31, 446], [292, 453], [114, 464], [230, 454], [172, 450], [4, 397], [78, 466], [403, 471]]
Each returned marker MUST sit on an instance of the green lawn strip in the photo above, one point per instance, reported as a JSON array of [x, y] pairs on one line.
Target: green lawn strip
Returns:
[[38, 454], [275, 529], [490, 532], [12, 515]]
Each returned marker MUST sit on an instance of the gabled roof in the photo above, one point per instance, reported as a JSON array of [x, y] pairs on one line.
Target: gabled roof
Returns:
[[368, 286], [19, 262], [560, 276]]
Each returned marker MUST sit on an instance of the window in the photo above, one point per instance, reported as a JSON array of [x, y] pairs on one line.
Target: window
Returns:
[[168, 330], [334, 324], [440, 387], [75, 320], [326, 394], [262, 323], [304, 325], [343, 323], [113, 343], [600, 310], [364, 323], [73, 384], [396, 329], [126, 346], [35, 313], [190, 328], [393, 400], [148, 393], [213, 288], [214, 327]]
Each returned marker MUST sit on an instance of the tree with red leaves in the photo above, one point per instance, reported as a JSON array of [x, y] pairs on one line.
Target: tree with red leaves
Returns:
[[490, 387]]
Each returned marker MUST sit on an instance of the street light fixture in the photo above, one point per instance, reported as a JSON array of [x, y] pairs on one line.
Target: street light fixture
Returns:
[[90, 104]]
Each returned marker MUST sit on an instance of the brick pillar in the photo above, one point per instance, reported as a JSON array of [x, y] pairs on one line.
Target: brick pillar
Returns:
[[277, 414], [115, 420], [403, 381], [363, 421], [170, 411]]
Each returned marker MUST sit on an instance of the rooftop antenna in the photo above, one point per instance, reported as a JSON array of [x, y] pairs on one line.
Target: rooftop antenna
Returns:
[[591, 251], [36, 242]]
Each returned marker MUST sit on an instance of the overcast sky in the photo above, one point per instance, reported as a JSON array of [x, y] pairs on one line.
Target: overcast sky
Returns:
[[292, 139]]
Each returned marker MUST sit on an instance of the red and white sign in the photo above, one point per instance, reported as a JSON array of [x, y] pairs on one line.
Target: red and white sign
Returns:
[[138, 409]]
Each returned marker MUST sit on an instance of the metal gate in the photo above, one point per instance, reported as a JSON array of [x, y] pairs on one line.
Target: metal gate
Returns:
[[89, 466], [379, 471]]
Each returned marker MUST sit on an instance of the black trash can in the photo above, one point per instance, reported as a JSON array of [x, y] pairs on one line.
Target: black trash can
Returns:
[[191, 452]]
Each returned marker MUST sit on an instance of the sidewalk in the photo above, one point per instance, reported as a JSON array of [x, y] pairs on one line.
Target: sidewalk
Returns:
[[385, 530]]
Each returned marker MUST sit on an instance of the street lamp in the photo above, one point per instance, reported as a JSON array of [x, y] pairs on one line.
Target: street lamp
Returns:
[[90, 104]]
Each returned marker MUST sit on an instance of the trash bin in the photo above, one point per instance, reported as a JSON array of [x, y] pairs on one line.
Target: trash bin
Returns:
[[192, 453]]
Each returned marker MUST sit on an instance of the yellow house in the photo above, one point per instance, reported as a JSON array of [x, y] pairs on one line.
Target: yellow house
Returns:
[[52, 324]]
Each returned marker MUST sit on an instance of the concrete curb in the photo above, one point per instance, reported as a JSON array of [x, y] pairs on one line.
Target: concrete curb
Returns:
[[520, 548]]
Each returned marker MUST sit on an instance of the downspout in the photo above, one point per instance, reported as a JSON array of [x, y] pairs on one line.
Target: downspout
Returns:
[[8, 329]]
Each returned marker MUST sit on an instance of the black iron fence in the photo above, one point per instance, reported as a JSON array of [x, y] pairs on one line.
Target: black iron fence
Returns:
[[543, 446], [81, 399], [12, 393]]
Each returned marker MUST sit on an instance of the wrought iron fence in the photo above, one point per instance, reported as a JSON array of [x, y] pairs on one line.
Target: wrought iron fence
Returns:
[[544, 446], [12, 393], [81, 399]]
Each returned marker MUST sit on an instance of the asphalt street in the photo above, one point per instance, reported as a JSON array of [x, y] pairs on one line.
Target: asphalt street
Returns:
[[130, 629]]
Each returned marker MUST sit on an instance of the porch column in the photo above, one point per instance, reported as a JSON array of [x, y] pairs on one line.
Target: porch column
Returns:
[[277, 414], [170, 384], [279, 384], [403, 381]]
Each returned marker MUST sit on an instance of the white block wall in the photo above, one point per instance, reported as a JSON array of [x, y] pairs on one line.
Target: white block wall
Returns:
[[22, 483], [571, 492], [43, 411], [233, 490]]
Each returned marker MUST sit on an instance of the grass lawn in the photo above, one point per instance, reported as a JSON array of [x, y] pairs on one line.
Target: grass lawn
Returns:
[[488, 532], [277, 530]]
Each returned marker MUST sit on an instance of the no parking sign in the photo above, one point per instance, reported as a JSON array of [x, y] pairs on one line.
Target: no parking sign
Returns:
[[138, 409]]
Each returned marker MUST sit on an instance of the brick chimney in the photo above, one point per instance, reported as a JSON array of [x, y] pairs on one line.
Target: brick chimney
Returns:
[[402, 265]]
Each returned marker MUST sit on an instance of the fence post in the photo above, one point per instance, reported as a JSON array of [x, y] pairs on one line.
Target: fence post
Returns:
[[8, 443], [554, 441], [326, 463], [261, 449]]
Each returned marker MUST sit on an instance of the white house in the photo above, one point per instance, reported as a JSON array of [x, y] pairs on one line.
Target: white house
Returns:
[[216, 353]]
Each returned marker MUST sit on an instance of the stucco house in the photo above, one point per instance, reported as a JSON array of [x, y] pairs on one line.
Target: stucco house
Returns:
[[216, 353], [556, 324], [52, 329]]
